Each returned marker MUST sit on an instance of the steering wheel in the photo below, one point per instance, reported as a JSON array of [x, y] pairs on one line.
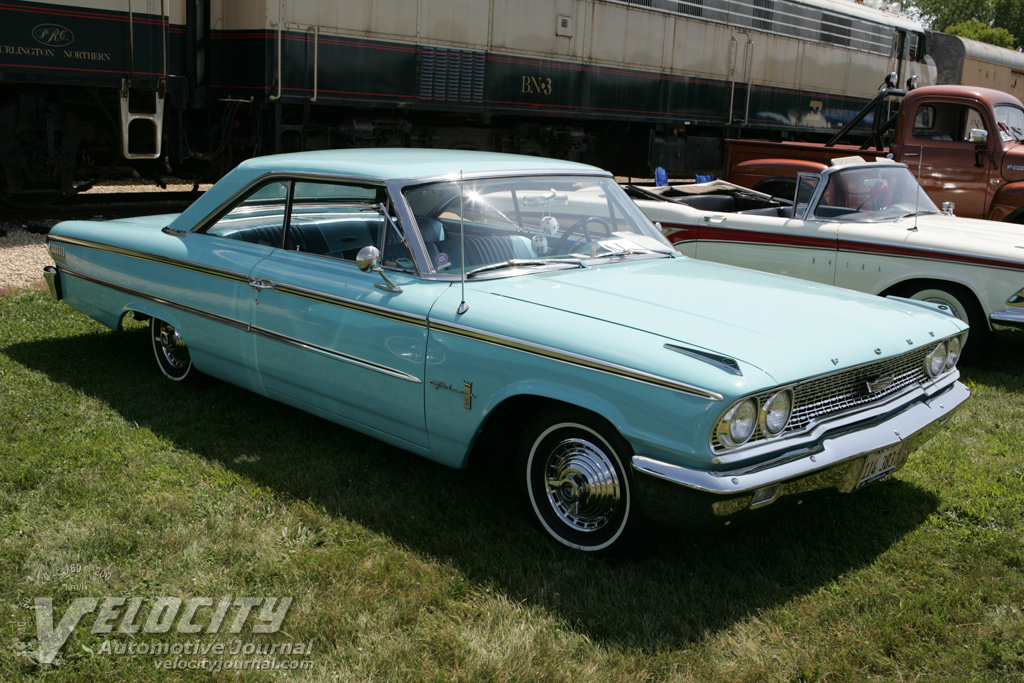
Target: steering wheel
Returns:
[[868, 199], [582, 224]]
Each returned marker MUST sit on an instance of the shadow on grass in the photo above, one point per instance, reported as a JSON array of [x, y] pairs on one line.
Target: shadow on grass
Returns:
[[686, 586], [1002, 363]]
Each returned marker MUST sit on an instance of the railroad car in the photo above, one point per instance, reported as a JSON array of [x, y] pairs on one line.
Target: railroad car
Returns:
[[196, 85], [962, 61]]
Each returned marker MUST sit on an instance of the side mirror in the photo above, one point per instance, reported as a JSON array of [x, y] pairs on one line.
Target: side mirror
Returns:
[[978, 136], [368, 259], [948, 208]]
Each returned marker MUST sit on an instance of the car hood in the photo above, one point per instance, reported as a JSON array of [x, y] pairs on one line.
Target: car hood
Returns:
[[788, 328], [987, 234]]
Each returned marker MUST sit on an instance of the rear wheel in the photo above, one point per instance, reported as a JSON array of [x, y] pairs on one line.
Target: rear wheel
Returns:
[[171, 353], [574, 474]]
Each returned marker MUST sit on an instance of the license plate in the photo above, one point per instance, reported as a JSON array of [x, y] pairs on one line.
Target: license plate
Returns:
[[880, 464]]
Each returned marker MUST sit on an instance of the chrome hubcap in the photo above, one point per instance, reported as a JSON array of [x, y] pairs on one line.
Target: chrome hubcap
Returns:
[[172, 348], [582, 484]]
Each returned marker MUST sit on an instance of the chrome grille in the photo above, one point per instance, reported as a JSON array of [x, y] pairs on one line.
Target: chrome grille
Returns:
[[826, 396]]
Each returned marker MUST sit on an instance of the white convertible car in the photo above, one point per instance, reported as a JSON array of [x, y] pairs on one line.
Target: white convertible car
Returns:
[[861, 225]]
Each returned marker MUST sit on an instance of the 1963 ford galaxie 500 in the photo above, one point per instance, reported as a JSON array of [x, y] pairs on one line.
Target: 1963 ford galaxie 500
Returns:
[[863, 225], [470, 307]]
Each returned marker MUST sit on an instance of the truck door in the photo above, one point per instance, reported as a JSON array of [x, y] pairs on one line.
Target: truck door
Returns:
[[950, 167]]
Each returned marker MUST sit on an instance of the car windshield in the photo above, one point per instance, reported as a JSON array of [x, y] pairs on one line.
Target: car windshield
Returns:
[[495, 227], [874, 194], [1010, 121]]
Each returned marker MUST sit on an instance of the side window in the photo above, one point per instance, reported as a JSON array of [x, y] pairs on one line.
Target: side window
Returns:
[[339, 219], [327, 219], [972, 121], [258, 218], [947, 122], [806, 183]]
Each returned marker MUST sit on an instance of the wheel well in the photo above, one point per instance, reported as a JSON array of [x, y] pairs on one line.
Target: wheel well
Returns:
[[494, 448], [1016, 217], [962, 292]]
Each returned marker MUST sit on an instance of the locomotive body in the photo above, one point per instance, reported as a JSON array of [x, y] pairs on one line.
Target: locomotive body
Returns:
[[168, 84]]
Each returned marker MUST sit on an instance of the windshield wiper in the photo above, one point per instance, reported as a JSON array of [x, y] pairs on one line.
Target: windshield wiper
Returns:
[[635, 251], [526, 263]]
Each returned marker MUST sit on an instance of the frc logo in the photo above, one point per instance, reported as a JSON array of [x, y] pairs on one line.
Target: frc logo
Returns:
[[53, 35], [194, 615]]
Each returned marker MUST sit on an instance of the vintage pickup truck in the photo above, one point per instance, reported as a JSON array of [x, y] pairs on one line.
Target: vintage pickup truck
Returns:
[[965, 145]]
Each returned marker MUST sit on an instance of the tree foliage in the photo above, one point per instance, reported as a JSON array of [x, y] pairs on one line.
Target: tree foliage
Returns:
[[944, 15], [975, 30]]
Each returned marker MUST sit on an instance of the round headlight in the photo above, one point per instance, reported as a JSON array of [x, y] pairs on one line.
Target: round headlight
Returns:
[[954, 352], [738, 424], [777, 411], [935, 361]]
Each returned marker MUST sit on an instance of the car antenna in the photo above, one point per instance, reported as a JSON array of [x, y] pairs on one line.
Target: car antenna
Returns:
[[917, 195], [463, 306]]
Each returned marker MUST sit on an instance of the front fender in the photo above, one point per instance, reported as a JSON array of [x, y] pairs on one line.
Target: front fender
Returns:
[[1008, 204]]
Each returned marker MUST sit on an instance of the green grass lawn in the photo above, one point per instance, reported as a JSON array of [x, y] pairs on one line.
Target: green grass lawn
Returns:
[[115, 482]]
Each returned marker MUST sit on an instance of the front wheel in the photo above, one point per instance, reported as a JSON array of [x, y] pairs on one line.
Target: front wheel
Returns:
[[962, 304], [171, 353], [574, 474]]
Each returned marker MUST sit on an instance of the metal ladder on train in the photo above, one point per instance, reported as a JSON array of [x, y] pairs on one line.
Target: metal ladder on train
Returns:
[[155, 117]]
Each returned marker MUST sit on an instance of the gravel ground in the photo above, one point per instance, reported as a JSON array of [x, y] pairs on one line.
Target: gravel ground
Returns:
[[23, 253], [23, 256]]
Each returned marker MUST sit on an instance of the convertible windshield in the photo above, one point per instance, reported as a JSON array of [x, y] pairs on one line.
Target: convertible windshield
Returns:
[[529, 223], [873, 194]]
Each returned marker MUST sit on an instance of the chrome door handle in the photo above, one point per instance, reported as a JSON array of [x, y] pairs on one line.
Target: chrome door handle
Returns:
[[260, 285]]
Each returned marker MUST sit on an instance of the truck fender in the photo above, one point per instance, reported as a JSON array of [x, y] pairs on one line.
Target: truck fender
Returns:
[[1008, 204]]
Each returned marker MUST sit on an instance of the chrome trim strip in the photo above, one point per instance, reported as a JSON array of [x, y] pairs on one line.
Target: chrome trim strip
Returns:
[[723, 363], [145, 256], [336, 355], [903, 427], [231, 322], [353, 304], [574, 359], [238, 324]]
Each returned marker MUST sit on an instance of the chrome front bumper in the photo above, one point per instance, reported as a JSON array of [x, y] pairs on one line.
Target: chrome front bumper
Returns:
[[671, 493], [1011, 318]]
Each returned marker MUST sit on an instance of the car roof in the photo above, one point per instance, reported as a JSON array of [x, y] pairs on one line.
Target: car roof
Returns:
[[373, 165], [408, 164]]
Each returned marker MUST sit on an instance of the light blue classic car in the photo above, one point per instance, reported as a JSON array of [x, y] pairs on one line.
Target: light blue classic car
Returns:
[[476, 308]]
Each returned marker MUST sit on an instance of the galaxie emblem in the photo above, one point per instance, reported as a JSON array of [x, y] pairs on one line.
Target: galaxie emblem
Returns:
[[53, 35], [877, 384]]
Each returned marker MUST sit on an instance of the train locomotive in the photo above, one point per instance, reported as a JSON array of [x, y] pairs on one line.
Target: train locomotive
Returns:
[[193, 86]]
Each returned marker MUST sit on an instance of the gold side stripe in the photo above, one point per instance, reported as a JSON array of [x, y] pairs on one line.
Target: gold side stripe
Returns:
[[267, 334], [575, 359], [145, 256]]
